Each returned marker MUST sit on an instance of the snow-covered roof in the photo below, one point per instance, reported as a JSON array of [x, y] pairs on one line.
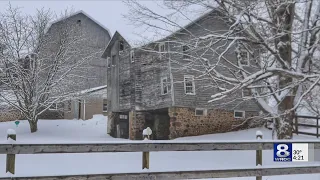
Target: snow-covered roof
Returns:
[[84, 13]]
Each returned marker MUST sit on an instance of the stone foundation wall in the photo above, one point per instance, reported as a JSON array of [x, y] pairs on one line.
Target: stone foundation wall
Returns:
[[183, 122], [136, 125]]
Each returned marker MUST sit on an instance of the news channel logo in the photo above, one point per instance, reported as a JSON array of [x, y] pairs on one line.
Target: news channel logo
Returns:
[[282, 152]]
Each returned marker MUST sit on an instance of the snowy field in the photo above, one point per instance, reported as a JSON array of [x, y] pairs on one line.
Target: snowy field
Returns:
[[55, 131]]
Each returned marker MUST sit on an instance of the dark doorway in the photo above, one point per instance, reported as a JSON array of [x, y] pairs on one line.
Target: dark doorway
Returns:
[[124, 125], [79, 109]]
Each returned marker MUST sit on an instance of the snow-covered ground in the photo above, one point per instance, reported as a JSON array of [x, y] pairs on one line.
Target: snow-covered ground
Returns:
[[95, 163]]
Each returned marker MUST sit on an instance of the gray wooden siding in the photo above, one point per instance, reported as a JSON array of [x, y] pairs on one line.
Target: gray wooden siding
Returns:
[[204, 85], [93, 41], [152, 69]]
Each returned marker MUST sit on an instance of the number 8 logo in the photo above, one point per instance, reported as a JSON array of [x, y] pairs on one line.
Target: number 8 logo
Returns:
[[283, 150]]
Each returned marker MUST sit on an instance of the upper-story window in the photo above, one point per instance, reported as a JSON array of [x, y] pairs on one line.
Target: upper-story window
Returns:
[[162, 47], [245, 58], [189, 86], [246, 92], [79, 22], [164, 85], [121, 45], [185, 50], [132, 56]]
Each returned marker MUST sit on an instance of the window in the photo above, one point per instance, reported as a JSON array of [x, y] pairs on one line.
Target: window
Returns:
[[105, 106], [108, 62], [122, 116], [239, 114], [164, 86], [113, 60], [189, 85], [162, 47], [185, 50], [246, 92], [79, 22], [200, 112], [245, 57], [121, 46], [132, 55], [54, 107]]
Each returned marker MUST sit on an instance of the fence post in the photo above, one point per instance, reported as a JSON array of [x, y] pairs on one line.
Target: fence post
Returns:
[[259, 135], [296, 124], [11, 158], [146, 155], [317, 127]]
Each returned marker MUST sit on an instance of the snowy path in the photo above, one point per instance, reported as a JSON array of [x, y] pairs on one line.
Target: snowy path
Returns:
[[96, 163]]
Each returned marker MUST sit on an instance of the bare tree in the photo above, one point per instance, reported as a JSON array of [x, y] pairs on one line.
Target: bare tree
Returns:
[[40, 65], [279, 38]]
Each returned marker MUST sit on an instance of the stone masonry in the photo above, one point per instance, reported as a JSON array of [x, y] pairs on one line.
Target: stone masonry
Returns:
[[136, 125], [183, 122]]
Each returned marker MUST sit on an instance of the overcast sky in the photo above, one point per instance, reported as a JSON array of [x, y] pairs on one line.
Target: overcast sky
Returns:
[[109, 13]]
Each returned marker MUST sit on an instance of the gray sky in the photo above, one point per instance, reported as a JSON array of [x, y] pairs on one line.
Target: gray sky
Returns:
[[109, 13]]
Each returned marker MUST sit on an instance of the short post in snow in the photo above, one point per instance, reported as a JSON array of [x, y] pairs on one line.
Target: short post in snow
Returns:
[[145, 155], [11, 158], [259, 135]]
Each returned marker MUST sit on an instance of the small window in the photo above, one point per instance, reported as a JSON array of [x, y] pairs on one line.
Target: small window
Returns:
[[121, 46], [113, 60], [200, 112], [164, 86], [122, 116], [132, 55], [105, 106], [162, 47], [185, 50], [108, 62], [79, 22], [239, 114], [246, 92], [189, 85], [53, 107], [245, 57]]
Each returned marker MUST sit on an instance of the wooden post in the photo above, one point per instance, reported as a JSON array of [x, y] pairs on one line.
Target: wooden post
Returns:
[[317, 127], [145, 157], [11, 158], [259, 154], [296, 124]]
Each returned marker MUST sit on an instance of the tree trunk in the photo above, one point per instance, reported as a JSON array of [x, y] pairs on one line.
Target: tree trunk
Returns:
[[33, 125], [284, 124]]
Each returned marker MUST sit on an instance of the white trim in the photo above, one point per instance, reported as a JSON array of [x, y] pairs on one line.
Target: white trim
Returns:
[[243, 114], [76, 13], [203, 109], [193, 84]]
